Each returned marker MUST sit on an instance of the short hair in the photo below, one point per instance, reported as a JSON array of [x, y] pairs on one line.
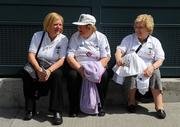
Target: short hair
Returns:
[[93, 27], [50, 19], [147, 20]]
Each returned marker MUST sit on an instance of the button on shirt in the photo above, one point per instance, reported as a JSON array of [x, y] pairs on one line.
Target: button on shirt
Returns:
[[150, 52], [92, 49], [50, 50]]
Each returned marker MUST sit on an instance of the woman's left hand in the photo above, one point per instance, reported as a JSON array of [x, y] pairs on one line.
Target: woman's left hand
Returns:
[[48, 73], [149, 71], [44, 75]]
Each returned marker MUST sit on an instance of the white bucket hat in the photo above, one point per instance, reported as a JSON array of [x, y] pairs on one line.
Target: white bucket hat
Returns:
[[85, 19]]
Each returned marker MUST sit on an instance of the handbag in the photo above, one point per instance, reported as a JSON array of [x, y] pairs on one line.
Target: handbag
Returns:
[[28, 66]]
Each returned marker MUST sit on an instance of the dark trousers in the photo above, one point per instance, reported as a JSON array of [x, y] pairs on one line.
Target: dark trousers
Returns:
[[74, 82], [34, 89]]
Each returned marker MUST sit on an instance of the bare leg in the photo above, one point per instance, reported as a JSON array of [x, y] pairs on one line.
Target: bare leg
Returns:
[[131, 101], [131, 97], [158, 99], [159, 106]]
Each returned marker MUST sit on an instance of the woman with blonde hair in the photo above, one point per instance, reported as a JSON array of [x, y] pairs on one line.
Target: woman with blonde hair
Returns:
[[48, 46], [149, 49]]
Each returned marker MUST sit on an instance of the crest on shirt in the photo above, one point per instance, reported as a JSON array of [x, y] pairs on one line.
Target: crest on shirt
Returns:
[[89, 54], [58, 49], [149, 51]]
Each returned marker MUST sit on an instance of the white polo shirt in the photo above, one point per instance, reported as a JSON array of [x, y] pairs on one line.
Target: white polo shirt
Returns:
[[92, 49], [50, 50], [150, 51]]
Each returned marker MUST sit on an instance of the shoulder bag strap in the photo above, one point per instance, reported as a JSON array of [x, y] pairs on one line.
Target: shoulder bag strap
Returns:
[[138, 48], [141, 45], [40, 44]]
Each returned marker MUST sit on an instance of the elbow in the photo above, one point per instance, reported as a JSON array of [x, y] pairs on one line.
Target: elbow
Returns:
[[161, 61], [30, 56], [108, 58]]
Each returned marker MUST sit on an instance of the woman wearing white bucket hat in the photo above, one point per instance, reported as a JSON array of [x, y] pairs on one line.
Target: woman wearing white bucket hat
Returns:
[[87, 44]]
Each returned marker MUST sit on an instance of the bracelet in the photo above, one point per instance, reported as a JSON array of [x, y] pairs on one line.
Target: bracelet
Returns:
[[50, 70]]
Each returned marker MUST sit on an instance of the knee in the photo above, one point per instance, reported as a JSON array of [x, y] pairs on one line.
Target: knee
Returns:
[[72, 74], [57, 74], [156, 92]]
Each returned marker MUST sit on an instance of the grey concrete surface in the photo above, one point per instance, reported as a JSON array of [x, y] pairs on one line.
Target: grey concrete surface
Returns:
[[11, 93], [12, 111], [116, 116]]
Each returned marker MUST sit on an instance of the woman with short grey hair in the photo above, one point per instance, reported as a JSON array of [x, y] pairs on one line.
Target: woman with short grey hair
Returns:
[[151, 52]]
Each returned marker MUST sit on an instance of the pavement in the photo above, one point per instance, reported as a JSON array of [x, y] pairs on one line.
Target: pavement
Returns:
[[12, 112], [116, 116]]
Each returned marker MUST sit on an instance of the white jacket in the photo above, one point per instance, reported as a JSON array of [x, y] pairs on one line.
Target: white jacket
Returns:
[[134, 65]]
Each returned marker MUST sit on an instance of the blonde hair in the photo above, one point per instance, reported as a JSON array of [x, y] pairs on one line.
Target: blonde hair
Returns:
[[147, 20], [93, 27], [50, 19]]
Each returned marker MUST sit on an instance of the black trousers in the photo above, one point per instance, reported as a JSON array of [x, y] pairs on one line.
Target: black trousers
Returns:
[[74, 82], [33, 90]]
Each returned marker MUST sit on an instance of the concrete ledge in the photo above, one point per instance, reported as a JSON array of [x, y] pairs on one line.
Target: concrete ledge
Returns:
[[171, 87], [118, 94], [11, 93]]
